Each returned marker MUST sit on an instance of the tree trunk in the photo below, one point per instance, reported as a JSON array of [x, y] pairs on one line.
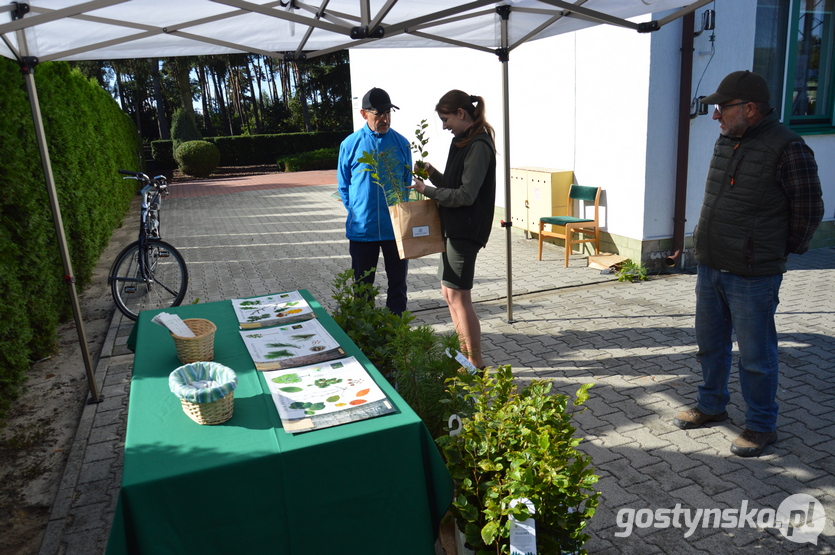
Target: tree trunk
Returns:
[[204, 98], [182, 68], [221, 102], [302, 97], [253, 103], [272, 64], [162, 120], [119, 92], [137, 99]]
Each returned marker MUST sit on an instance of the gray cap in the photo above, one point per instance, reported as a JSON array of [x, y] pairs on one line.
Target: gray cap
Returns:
[[744, 85]]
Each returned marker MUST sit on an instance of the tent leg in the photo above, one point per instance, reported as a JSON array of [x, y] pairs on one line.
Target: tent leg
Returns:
[[69, 279], [504, 12]]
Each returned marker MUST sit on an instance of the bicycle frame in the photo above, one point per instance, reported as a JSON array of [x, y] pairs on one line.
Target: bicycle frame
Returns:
[[151, 197]]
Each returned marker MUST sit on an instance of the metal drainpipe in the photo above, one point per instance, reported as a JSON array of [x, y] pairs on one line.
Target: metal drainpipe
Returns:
[[686, 82]]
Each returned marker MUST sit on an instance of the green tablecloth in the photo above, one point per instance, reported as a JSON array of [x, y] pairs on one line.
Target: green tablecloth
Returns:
[[247, 486]]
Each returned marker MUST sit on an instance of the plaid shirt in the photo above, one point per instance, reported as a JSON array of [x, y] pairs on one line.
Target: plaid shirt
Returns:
[[797, 174]]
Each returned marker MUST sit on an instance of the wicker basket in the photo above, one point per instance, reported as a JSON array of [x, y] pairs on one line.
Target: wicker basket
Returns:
[[216, 412], [201, 346]]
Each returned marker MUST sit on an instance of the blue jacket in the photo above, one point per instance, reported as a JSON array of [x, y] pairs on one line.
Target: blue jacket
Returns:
[[368, 215]]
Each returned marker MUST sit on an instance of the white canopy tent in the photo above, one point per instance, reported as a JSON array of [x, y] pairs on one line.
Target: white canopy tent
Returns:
[[47, 30]]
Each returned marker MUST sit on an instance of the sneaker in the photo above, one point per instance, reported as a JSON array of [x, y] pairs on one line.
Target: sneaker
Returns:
[[751, 444], [693, 418]]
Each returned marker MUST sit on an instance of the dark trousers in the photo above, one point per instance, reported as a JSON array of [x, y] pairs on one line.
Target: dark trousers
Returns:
[[364, 257]]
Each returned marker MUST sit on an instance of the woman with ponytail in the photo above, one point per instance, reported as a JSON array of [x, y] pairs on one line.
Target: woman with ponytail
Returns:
[[466, 196]]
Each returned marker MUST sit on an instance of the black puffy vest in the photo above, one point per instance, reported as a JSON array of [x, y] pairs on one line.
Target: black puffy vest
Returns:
[[744, 222], [472, 222]]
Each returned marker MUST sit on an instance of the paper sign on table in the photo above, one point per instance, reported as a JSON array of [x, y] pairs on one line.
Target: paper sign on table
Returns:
[[272, 310], [324, 395], [290, 346]]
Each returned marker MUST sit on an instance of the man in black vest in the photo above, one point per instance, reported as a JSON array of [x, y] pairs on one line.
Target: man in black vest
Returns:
[[762, 202]]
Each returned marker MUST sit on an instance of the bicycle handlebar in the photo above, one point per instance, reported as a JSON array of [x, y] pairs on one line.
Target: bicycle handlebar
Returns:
[[159, 181], [139, 175]]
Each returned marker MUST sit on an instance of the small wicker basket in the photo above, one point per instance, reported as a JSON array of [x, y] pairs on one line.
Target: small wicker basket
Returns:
[[215, 412], [201, 346]]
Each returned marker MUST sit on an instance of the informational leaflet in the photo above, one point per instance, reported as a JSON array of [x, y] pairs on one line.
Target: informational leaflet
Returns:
[[290, 346], [272, 310], [323, 395]]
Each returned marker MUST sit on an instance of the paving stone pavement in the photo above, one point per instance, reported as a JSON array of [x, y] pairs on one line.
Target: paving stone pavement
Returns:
[[572, 325]]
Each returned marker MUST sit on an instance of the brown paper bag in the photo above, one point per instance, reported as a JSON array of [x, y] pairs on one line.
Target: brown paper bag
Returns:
[[417, 228]]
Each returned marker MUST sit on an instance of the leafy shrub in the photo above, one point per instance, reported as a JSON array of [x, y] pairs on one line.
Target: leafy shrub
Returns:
[[631, 271], [197, 158], [163, 153], [89, 139], [518, 444], [322, 159], [372, 329], [183, 128], [414, 360], [421, 368]]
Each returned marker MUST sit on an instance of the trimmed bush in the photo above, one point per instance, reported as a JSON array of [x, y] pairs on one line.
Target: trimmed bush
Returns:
[[322, 159], [197, 158], [89, 139], [184, 128], [163, 153]]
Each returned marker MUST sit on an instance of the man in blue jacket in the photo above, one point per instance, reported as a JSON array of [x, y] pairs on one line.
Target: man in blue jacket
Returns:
[[368, 227]]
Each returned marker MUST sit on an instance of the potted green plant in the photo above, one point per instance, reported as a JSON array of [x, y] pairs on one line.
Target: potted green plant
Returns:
[[518, 443], [419, 148]]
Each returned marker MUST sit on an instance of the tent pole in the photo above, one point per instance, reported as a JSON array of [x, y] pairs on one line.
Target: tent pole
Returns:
[[504, 56], [27, 68]]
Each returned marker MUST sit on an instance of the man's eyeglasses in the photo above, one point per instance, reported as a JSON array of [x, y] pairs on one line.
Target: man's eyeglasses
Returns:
[[720, 107], [387, 113]]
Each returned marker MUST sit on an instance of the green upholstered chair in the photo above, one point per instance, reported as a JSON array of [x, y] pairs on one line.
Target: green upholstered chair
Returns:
[[574, 225]]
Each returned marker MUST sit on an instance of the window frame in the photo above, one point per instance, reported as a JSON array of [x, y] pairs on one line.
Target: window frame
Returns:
[[808, 124]]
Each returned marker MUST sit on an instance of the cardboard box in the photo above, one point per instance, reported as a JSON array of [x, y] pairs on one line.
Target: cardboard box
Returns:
[[604, 261]]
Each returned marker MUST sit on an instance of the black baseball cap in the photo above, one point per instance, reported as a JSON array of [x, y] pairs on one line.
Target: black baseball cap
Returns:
[[744, 85], [377, 100]]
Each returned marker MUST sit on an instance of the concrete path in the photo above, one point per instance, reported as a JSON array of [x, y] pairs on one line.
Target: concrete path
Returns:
[[635, 342]]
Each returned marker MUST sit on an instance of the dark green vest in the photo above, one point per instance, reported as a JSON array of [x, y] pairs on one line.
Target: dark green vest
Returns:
[[744, 222], [472, 222]]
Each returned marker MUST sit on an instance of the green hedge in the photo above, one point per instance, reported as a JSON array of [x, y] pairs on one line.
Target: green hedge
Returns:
[[322, 159], [89, 139], [251, 150]]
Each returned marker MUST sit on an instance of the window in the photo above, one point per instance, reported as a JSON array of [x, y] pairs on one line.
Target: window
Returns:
[[794, 47]]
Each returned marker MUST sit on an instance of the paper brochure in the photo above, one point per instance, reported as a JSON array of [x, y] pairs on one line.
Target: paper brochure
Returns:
[[290, 346], [272, 310], [324, 395]]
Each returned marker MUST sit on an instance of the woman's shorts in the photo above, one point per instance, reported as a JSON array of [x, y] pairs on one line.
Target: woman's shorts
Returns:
[[457, 267]]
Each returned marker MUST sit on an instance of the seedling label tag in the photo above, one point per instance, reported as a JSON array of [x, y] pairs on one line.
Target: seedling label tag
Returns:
[[462, 360], [523, 533], [457, 430], [420, 231]]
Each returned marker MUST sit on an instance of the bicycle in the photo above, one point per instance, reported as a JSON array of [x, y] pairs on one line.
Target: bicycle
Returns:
[[149, 273]]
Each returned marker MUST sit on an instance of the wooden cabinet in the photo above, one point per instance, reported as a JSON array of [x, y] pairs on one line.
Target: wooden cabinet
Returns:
[[537, 192]]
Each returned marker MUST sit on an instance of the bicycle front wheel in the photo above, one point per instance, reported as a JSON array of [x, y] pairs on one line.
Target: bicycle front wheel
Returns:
[[147, 279]]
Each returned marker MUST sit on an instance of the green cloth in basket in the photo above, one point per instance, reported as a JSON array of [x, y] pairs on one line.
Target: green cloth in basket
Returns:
[[184, 382]]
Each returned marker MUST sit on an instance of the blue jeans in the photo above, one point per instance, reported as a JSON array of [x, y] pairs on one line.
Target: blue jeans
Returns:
[[366, 255], [725, 303]]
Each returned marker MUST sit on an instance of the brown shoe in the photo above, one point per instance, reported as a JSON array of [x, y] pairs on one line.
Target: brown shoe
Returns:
[[693, 418], [751, 443]]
